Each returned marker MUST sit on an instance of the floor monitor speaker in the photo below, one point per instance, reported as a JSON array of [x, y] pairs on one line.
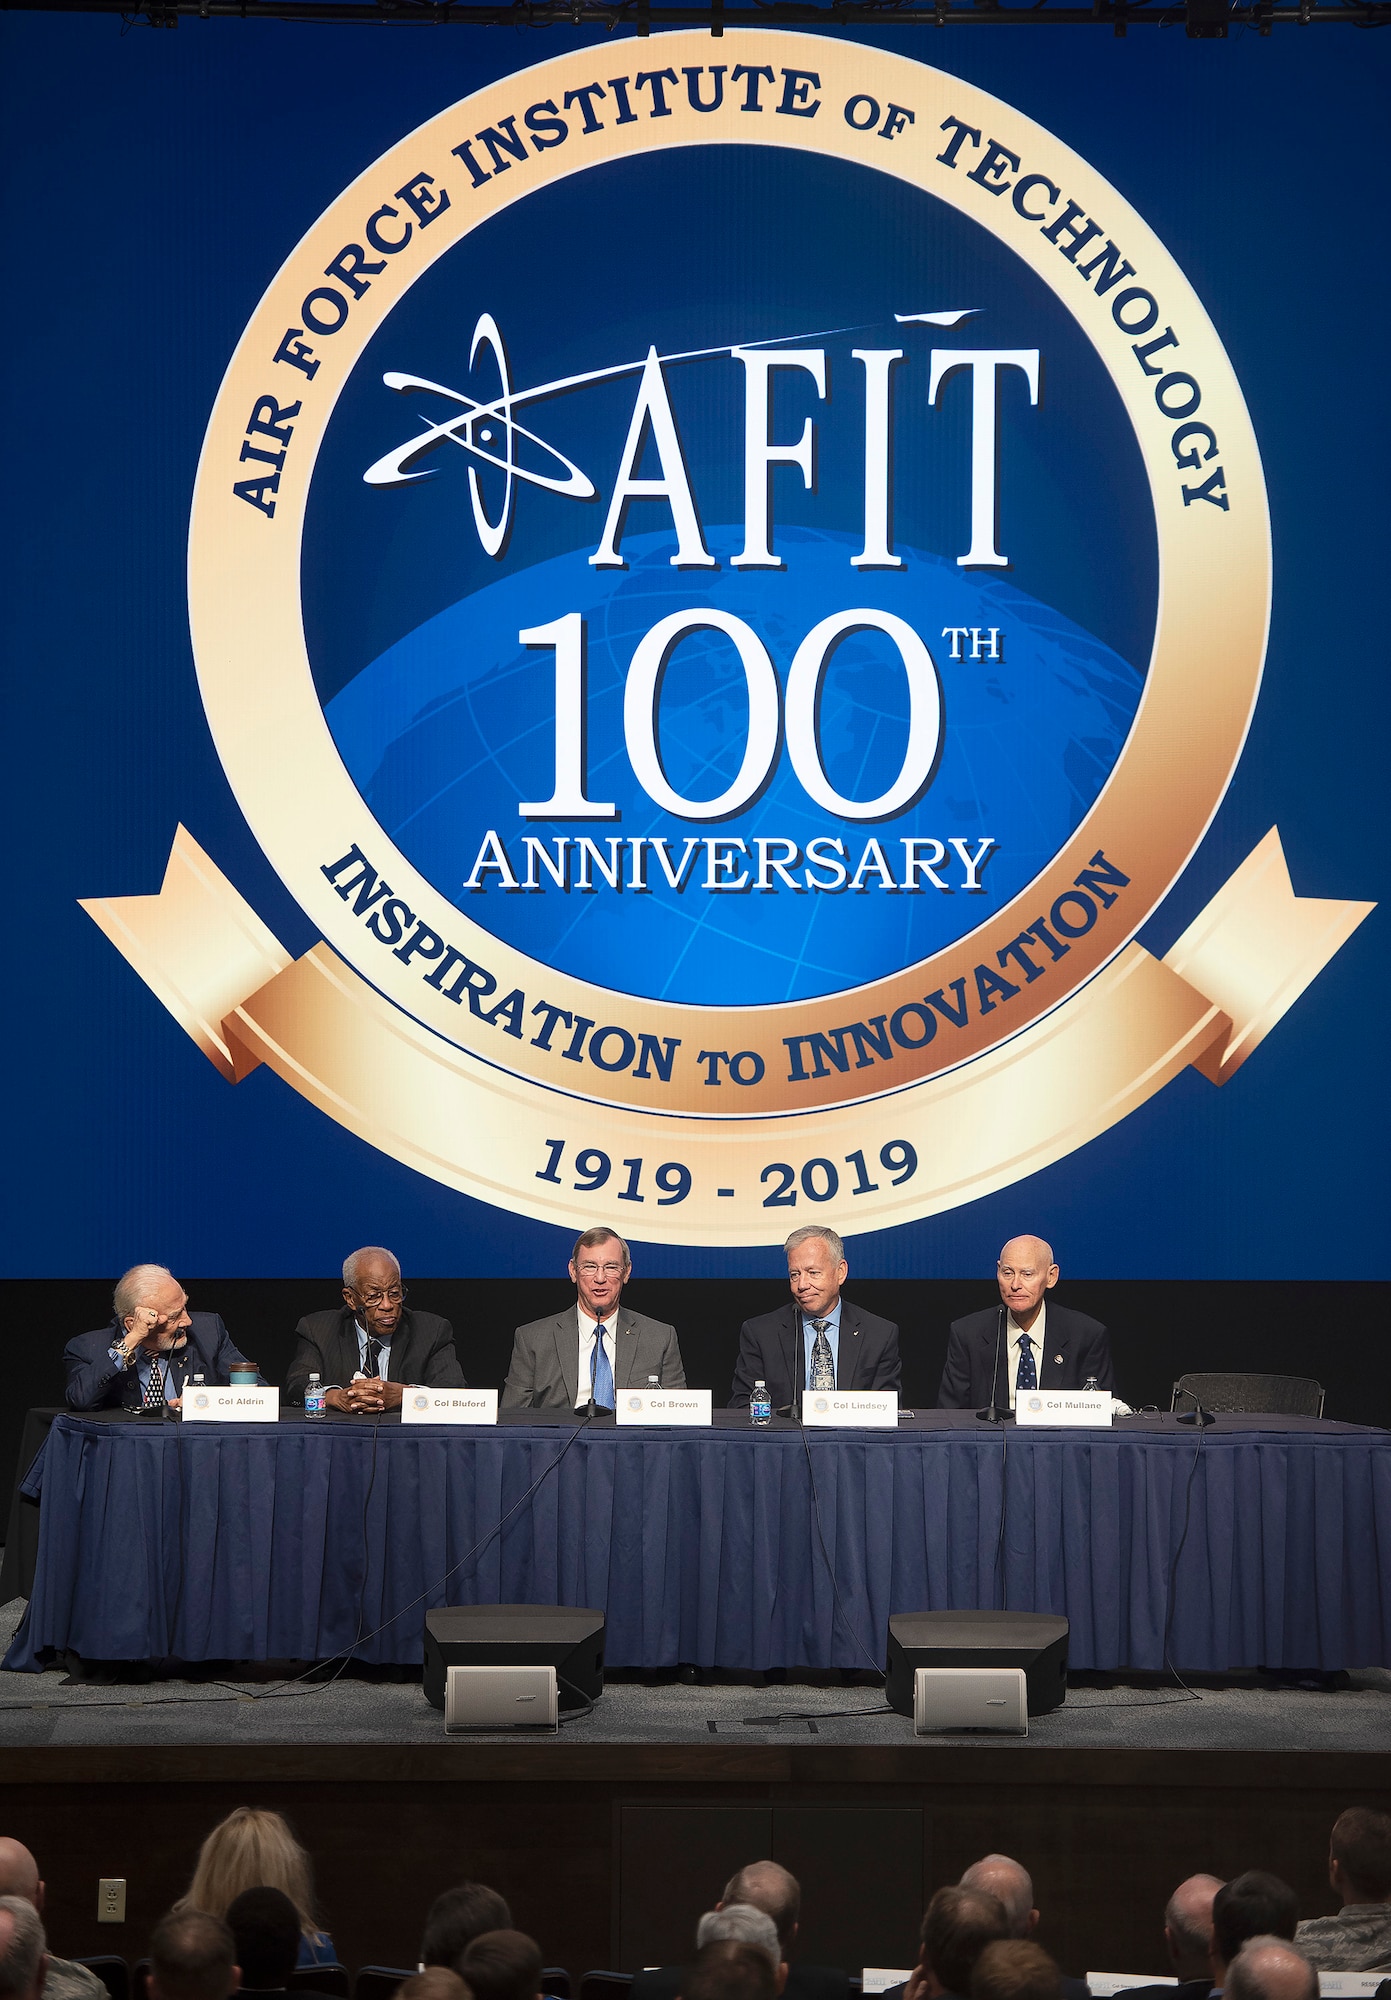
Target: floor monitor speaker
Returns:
[[1033, 1640], [563, 1636]]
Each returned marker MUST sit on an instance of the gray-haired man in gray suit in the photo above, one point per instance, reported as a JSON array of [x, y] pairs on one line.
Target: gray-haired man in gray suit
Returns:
[[594, 1346]]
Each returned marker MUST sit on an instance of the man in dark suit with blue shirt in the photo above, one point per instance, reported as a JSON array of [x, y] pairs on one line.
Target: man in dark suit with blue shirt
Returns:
[[820, 1341], [1024, 1342], [144, 1358]]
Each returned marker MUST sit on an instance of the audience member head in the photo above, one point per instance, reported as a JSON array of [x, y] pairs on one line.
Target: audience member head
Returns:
[[19, 1873], [1188, 1926], [23, 1947], [458, 1917], [1359, 1856], [959, 1924], [768, 1887], [502, 1965], [265, 1931], [251, 1849], [436, 1982], [1014, 1969], [1010, 1881], [1251, 1905], [729, 1970], [1270, 1968], [192, 1957], [741, 1923]]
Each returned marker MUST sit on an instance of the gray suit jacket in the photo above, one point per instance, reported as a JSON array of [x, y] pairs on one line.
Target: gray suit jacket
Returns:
[[545, 1366]]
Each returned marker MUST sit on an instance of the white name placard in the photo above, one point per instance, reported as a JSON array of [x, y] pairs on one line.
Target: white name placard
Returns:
[[663, 1406], [230, 1406], [448, 1406], [1346, 1985], [1056, 1407], [862, 1409]]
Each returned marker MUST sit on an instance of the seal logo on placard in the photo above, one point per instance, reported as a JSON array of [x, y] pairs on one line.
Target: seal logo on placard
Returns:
[[727, 684]]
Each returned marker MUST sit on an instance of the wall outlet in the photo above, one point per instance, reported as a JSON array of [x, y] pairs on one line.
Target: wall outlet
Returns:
[[111, 1899]]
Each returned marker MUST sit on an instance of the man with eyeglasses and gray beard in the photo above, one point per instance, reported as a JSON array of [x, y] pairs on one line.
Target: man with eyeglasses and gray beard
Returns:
[[596, 1346], [366, 1350]]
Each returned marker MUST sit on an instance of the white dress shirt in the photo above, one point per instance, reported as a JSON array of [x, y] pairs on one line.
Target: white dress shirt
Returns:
[[1038, 1333], [584, 1372]]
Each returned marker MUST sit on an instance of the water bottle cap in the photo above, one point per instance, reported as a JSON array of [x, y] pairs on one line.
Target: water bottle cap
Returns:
[[314, 1377], [654, 1381], [760, 1384]]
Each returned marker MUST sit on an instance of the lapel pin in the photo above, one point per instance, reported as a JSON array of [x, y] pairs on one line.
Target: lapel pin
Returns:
[[1057, 1361]]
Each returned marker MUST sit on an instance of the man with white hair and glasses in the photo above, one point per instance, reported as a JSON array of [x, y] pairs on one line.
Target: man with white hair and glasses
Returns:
[[153, 1344], [367, 1349]]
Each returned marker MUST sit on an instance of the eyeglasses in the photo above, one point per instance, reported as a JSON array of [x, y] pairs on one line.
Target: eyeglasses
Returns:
[[600, 1270], [392, 1296]]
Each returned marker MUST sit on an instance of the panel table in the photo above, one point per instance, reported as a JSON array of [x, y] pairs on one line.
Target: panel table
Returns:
[[713, 1548]]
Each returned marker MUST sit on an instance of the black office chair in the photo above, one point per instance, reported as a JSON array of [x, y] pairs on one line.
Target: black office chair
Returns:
[[140, 1980], [606, 1985], [379, 1982], [331, 1979], [1277, 1395], [555, 1981], [113, 1973]]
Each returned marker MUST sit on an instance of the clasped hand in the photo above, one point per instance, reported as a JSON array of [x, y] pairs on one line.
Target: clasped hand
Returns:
[[367, 1394]]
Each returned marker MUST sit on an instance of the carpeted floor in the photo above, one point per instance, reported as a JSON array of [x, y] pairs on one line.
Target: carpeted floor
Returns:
[[1253, 1712]]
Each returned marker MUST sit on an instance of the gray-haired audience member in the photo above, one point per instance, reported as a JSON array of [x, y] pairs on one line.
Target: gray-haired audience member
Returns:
[[19, 1876], [769, 1888], [741, 1923], [1014, 1969], [1188, 1941], [1271, 1968], [502, 1965], [728, 1970], [192, 1957], [1358, 1939], [459, 1916], [22, 1944], [1001, 1876], [1251, 1905]]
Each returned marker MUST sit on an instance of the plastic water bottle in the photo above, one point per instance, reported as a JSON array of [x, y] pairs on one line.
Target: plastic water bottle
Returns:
[[760, 1405], [314, 1403], [199, 1381], [653, 1382]]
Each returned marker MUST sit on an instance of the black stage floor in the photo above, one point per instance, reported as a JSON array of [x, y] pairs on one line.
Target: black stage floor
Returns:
[[1254, 1712]]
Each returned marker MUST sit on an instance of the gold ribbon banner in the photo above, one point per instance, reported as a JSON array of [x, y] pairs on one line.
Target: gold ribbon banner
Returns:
[[1064, 1080]]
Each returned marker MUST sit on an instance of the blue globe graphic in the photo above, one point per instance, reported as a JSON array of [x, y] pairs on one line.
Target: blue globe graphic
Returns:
[[449, 729]]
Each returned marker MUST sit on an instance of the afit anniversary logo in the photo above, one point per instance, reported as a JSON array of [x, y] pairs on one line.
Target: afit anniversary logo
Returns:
[[728, 592]]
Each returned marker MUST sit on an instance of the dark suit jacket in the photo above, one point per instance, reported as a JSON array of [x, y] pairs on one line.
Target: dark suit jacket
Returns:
[[804, 1982], [422, 1352], [95, 1382], [771, 1348], [1075, 1349], [544, 1370]]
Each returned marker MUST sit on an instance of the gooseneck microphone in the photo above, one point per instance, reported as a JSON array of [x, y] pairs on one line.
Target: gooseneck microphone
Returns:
[[992, 1414]]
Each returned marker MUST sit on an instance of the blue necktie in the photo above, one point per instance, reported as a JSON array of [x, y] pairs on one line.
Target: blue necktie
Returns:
[[1026, 1378], [602, 1372]]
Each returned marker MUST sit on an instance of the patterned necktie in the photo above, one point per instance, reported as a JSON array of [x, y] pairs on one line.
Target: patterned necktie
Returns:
[[371, 1356], [1026, 1378], [154, 1388], [602, 1373], [823, 1368]]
